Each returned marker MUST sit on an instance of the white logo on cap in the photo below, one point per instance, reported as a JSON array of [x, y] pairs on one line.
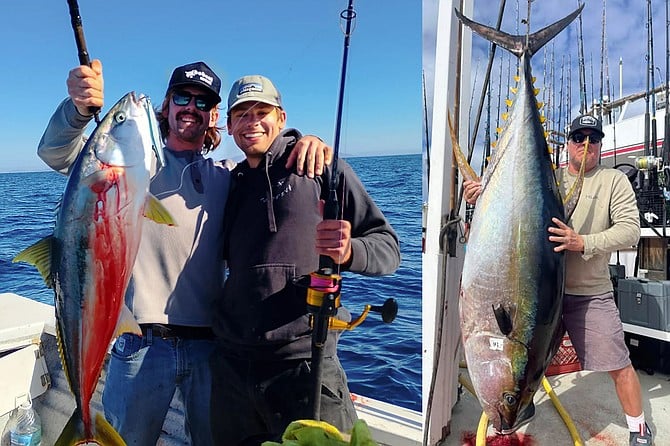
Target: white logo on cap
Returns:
[[203, 76], [250, 87], [588, 120]]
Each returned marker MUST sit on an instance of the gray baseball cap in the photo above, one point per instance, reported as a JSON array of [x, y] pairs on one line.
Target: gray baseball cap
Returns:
[[253, 88]]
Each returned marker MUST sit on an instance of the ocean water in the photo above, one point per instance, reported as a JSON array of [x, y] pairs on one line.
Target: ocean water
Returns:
[[382, 361]]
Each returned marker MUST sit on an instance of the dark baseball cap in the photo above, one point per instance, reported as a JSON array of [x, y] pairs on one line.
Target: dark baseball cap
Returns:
[[197, 74], [586, 122], [253, 88]]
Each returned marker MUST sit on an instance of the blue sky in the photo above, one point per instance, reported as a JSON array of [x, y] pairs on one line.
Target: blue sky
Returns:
[[625, 40], [296, 43]]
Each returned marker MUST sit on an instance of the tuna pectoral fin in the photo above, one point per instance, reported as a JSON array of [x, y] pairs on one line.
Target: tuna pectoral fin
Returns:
[[503, 318], [127, 323], [73, 433], [154, 210], [462, 162], [38, 254]]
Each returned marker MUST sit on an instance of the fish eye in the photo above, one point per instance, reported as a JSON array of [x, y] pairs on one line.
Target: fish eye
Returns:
[[510, 399], [120, 117]]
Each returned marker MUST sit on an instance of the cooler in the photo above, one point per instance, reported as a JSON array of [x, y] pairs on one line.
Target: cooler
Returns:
[[645, 303]]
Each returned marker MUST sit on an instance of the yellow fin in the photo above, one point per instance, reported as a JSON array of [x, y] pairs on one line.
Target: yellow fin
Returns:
[[103, 432], [540, 105], [505, 116], [543, 119], [517, 78], [127, 323], [536, 91], [461, 161], [508, 102], [39, 255], [155, 211], [513, 90]]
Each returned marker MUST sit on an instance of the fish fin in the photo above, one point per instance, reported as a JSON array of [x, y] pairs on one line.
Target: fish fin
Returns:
[[503, 318], [39, 255], [127, 323], [463, 165], [155, 211], [73, 432], [519, 45], [572, 197], [106, 432]]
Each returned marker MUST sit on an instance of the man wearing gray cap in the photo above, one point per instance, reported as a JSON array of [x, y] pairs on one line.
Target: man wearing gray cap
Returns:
[[274, 234], [178, 272], [605, 219]]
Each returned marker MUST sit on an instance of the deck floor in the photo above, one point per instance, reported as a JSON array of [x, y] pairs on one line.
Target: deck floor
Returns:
[[591, 402]]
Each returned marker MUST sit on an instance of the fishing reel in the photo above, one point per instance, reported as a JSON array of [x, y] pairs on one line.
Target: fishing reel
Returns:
[[323, 299]]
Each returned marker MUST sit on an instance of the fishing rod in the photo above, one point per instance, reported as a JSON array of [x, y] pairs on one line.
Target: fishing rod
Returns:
[[654, 148], [82, 52], [647, 150], [324, 285], [666, 136], [487, 77], [583, 107]]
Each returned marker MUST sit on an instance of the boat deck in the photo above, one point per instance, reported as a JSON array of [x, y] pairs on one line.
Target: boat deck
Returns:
[[28, 321], [591, 402]]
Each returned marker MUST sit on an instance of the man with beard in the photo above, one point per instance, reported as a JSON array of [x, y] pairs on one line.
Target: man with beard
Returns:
[[178, 272]]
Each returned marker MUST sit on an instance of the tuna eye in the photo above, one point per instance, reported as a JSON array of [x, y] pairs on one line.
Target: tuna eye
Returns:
[[510, 400], [120, 117]]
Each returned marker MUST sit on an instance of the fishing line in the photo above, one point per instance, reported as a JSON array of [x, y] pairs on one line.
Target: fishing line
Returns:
[[181, 179]]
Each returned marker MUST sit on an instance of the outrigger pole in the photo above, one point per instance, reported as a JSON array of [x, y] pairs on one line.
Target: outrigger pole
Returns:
[[84, 59]]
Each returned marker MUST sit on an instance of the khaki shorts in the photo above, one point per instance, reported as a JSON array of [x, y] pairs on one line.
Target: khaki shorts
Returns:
[[595, 329]]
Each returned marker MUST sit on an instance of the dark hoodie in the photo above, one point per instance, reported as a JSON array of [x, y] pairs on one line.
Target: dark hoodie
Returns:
[[270, 231]]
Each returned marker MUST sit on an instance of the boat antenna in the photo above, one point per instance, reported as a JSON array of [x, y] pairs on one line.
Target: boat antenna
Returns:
[[82, 52]]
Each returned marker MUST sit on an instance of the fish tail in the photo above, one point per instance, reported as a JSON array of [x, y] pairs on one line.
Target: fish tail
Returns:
[[74, 432], [518, 45]]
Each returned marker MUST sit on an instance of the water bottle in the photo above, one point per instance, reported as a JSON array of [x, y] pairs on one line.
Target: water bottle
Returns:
[[24, 425]]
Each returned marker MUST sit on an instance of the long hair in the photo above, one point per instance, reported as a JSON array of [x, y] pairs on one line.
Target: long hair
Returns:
[[212, 134]]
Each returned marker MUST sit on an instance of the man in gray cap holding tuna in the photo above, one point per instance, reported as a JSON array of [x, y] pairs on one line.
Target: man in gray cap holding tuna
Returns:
[[605, 219]]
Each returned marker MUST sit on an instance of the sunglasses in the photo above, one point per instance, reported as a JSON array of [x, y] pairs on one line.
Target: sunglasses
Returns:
[[580, 137], [202, 102]]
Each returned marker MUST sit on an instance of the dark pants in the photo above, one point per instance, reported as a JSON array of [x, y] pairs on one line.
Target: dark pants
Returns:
[[254, 401]]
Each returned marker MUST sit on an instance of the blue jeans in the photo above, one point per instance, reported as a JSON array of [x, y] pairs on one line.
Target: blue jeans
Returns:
[[142, 376]]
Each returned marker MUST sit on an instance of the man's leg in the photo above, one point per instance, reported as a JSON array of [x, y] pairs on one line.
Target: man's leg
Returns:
[[628, 390], [139, 386]]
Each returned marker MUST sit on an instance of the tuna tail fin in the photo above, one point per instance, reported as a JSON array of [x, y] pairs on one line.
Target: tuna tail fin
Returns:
[[39, 255], [73, 432], [519, 45]]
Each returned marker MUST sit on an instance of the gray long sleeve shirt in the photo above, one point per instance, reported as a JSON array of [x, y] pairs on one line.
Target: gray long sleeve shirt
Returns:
[[178, 272]]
